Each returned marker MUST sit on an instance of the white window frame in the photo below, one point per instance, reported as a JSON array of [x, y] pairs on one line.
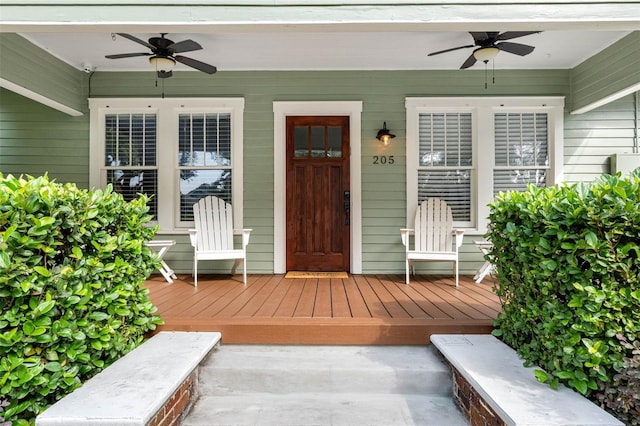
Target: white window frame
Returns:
[[482, 111], [167, 111]]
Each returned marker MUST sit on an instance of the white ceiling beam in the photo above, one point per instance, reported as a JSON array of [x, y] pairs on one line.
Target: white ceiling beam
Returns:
[[279, 15]]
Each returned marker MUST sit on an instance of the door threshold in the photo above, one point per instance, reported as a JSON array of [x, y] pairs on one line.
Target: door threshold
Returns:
[[313, 274]]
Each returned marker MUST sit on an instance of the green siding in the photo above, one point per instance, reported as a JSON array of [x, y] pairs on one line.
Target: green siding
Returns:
[[591, 138], [610, 71], [28, 66], [383, 94], [35, 139]]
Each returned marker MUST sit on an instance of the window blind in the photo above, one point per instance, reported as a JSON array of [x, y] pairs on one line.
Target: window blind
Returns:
[[521, 151], [204, 159], [446, 160], [131, 156]]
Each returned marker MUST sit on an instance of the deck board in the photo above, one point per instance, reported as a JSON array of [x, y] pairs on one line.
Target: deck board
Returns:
[[288, 305], [273, 302], [339, 300], [361, 309], [322, 307], [307, 300], [357, 306], [409, 305], [376, 308]]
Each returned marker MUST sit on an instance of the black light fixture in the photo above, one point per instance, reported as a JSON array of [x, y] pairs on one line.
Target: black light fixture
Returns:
[[384, 135]]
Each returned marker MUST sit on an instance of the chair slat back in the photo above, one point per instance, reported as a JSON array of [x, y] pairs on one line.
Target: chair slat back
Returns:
[[213, 219], [433, 226]]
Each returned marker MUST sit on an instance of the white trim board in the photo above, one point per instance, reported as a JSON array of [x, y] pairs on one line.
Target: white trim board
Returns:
[[27, 93], [281, 110]]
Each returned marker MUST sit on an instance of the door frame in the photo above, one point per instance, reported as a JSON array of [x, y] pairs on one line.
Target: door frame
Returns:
[[352, 109]]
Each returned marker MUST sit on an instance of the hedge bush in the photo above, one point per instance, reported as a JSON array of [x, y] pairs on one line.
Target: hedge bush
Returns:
[[568, 267], [621, 395], [72, 265]]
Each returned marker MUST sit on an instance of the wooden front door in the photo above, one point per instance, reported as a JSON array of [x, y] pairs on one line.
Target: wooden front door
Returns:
[[318, 198]]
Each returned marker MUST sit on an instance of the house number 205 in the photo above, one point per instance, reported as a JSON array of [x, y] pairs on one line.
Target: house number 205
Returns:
[[383, 159]]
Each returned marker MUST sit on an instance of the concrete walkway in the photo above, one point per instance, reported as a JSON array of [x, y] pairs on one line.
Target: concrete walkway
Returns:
[[324, 385]]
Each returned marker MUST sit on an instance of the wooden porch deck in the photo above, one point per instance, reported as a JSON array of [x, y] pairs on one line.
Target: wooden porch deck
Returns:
[[362, 309]]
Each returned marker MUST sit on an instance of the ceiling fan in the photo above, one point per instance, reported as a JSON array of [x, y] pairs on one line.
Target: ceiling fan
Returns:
[[163, 54], [489, 44]]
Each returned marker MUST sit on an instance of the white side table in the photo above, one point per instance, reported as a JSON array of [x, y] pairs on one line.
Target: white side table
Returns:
[[162, 247], [484, 246]]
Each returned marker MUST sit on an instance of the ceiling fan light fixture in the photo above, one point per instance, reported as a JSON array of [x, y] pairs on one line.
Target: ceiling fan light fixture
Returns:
[[485, 54], [162, 63]]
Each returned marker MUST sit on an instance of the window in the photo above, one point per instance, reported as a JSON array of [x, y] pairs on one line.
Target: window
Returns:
[[445, 160], [465, 150], [130, 156], [204, 159], [174, 150], [521, 151]]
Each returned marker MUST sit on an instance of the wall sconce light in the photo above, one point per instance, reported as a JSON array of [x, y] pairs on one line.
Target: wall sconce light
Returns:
[[384, 135]]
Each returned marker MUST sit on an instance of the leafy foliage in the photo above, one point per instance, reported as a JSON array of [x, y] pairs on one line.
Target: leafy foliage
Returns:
[[568, 264], [622, 394], [72, 263]]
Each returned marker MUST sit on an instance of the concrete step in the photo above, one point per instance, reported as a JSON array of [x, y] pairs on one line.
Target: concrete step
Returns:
[[347, 369], [325, 409], [325, 385]]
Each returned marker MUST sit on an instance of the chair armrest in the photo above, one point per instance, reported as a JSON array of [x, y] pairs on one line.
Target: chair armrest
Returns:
[[246, 233], [193, 236], [459, 236], [404, 234]]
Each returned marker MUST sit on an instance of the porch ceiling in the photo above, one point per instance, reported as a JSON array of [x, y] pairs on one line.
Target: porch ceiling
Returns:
[[321, 35], [333, 48]]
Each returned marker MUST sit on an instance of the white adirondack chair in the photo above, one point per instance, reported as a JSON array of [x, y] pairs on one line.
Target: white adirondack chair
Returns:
[[213, 237], [433, 236]]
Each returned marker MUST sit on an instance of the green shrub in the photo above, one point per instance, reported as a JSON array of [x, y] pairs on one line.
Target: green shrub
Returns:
[[568, 265], [72, 265], [621, 395]]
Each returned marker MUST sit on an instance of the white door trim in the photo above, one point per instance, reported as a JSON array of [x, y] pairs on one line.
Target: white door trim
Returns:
[[281, 110]]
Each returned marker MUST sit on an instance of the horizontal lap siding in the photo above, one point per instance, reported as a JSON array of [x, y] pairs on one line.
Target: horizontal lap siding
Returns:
[[35, 139], [25, 65], [65, 140], [612, 70], [590, 139]]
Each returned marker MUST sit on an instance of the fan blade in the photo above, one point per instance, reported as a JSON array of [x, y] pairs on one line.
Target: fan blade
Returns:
[[469, 62], [479, 36], [200, 66], [127, 55], [184, 46], [450, 50], [137, 40], [515, 48], [164, 74], [515, 34]]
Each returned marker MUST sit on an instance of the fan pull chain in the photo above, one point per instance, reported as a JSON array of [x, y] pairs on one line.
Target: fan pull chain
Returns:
[[493, 73], [485, 75]]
